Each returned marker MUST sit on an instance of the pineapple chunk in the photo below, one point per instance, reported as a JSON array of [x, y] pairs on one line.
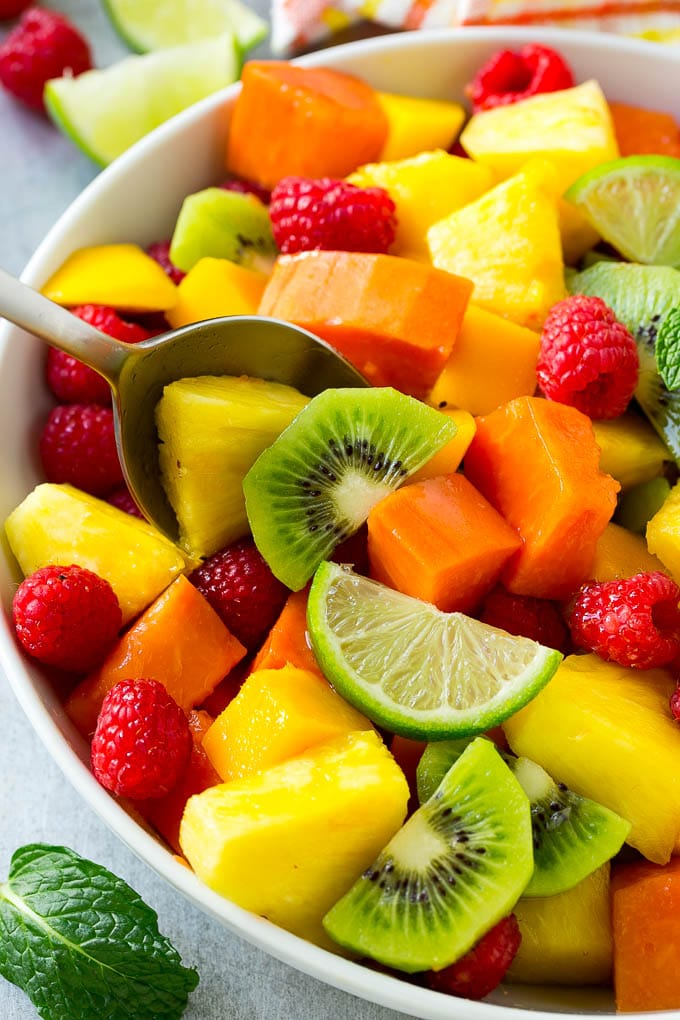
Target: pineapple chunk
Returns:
[[120, 275], [215, 287], [424, 189], [631, 451], [508, 243], [211, 430], [663, 532], [60, 524], [288, 843], [606, 731], [416, 124], [566, 939]]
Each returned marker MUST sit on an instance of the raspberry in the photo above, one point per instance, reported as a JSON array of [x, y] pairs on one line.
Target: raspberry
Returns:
[[66, 617], [538, 619], [160, 252], [142, 741], [70, 380], [331, 215], [508, 77], [78, 446], [121, 497], [247, 188], [588, 359], [634, 621], [43, 45], [242, 590], [484, 966]]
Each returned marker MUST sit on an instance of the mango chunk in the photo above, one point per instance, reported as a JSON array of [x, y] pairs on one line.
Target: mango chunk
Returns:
[[216, 287], [630, 450], [120, 275], [447, 460], [416, 124], [619, 553]]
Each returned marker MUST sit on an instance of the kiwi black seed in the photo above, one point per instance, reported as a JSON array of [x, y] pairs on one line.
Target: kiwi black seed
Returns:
[[457, 866], [315, 485], [571, 835], [641, 297]]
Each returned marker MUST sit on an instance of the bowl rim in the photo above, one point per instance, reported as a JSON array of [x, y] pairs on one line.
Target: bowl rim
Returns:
[[354, 978]]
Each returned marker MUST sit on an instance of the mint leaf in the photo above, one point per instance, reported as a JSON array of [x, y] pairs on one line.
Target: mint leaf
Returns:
[[82, 944], [668, 349]]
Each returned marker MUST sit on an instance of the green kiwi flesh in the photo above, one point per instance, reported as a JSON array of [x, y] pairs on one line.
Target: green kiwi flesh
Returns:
[[223, 224], [457, 866], [572, 835], [641, 297], [638, 505], [316, 484]]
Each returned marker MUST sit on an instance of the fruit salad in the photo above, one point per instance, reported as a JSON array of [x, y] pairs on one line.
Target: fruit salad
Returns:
[[407, 684]]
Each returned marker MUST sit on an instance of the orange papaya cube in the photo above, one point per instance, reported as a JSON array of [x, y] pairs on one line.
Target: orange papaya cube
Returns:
[[165, 813], [439, 540], [646, 930], [180, 641], [287, 642], [493, 360], [303, 121], [537, 462], [644, 132], [395, 319], [277, 714], [447, 460]]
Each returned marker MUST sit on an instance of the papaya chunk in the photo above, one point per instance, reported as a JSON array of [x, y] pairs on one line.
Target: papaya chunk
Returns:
[[287, 643], [645, 132]]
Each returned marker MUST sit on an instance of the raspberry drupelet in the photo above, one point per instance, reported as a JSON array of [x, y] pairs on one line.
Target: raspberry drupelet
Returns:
[[482, 968]]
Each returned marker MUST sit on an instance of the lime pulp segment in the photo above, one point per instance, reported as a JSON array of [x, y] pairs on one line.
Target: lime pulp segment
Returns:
[[413, 669], [634, 204], [146, 25]]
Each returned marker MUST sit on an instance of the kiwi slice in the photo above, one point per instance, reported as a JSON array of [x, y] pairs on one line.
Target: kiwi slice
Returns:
[[572, 835], [641, 297], [316, 484], [457, 866], [223, 224]]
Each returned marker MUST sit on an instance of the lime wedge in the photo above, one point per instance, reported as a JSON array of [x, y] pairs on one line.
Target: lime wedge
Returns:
[[634, 204], [105, 111], [413, 669], [146, 25]]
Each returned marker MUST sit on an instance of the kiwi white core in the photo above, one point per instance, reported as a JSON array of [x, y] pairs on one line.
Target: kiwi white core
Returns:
[[355, 497], [416, 844]]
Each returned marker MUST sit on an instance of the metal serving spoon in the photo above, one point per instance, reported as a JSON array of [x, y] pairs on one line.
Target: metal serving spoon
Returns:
[[234, 345]]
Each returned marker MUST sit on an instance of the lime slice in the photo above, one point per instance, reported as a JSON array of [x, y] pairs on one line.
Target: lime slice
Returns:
[[146, 25], [413, 669], [634, 204], [105, 111]]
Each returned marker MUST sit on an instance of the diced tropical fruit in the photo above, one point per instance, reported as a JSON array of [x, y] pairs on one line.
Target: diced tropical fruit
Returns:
[[215, 287], [416, 124], [60, 524], [447, 460], [508, 243], [537, 463], [440, 541], [631, 451], [620, 553], [395, 319], [572, 128], [663, 532], [276, 715], [639, 131], [179, 641], [645, 911], [211, 430], [308, 122], [567, 938], [493, 360], [607, 732], [120, 275], [288, 843], [222, 224], [287, 641], [424, 188]]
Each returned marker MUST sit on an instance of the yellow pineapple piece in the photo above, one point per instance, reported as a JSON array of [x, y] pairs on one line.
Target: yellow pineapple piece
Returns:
[[576, 232], [607, 732], [120, 275], [508, 243], [288, 843], [415, 124], [566, 939], [447, 460], [277, 714], [215, 287], [620, 553], [211, 430], [424, 189], [572, 128], [631, 451], [62, 525], [663, 532]]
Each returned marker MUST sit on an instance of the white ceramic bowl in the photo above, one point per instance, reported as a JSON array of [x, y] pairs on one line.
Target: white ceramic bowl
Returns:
[[137, 199]]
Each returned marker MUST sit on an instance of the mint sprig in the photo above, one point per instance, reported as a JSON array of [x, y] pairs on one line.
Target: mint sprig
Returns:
[[668, 349], [82, 944]]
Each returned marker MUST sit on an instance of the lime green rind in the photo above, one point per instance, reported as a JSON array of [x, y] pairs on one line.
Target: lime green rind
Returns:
[[411, 647], [149, 26]]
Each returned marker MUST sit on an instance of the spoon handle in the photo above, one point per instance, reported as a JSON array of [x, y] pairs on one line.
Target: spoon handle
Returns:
[[57, 326]]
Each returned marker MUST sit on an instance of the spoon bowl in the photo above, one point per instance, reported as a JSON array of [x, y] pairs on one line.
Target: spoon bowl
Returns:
[[239, 345]]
